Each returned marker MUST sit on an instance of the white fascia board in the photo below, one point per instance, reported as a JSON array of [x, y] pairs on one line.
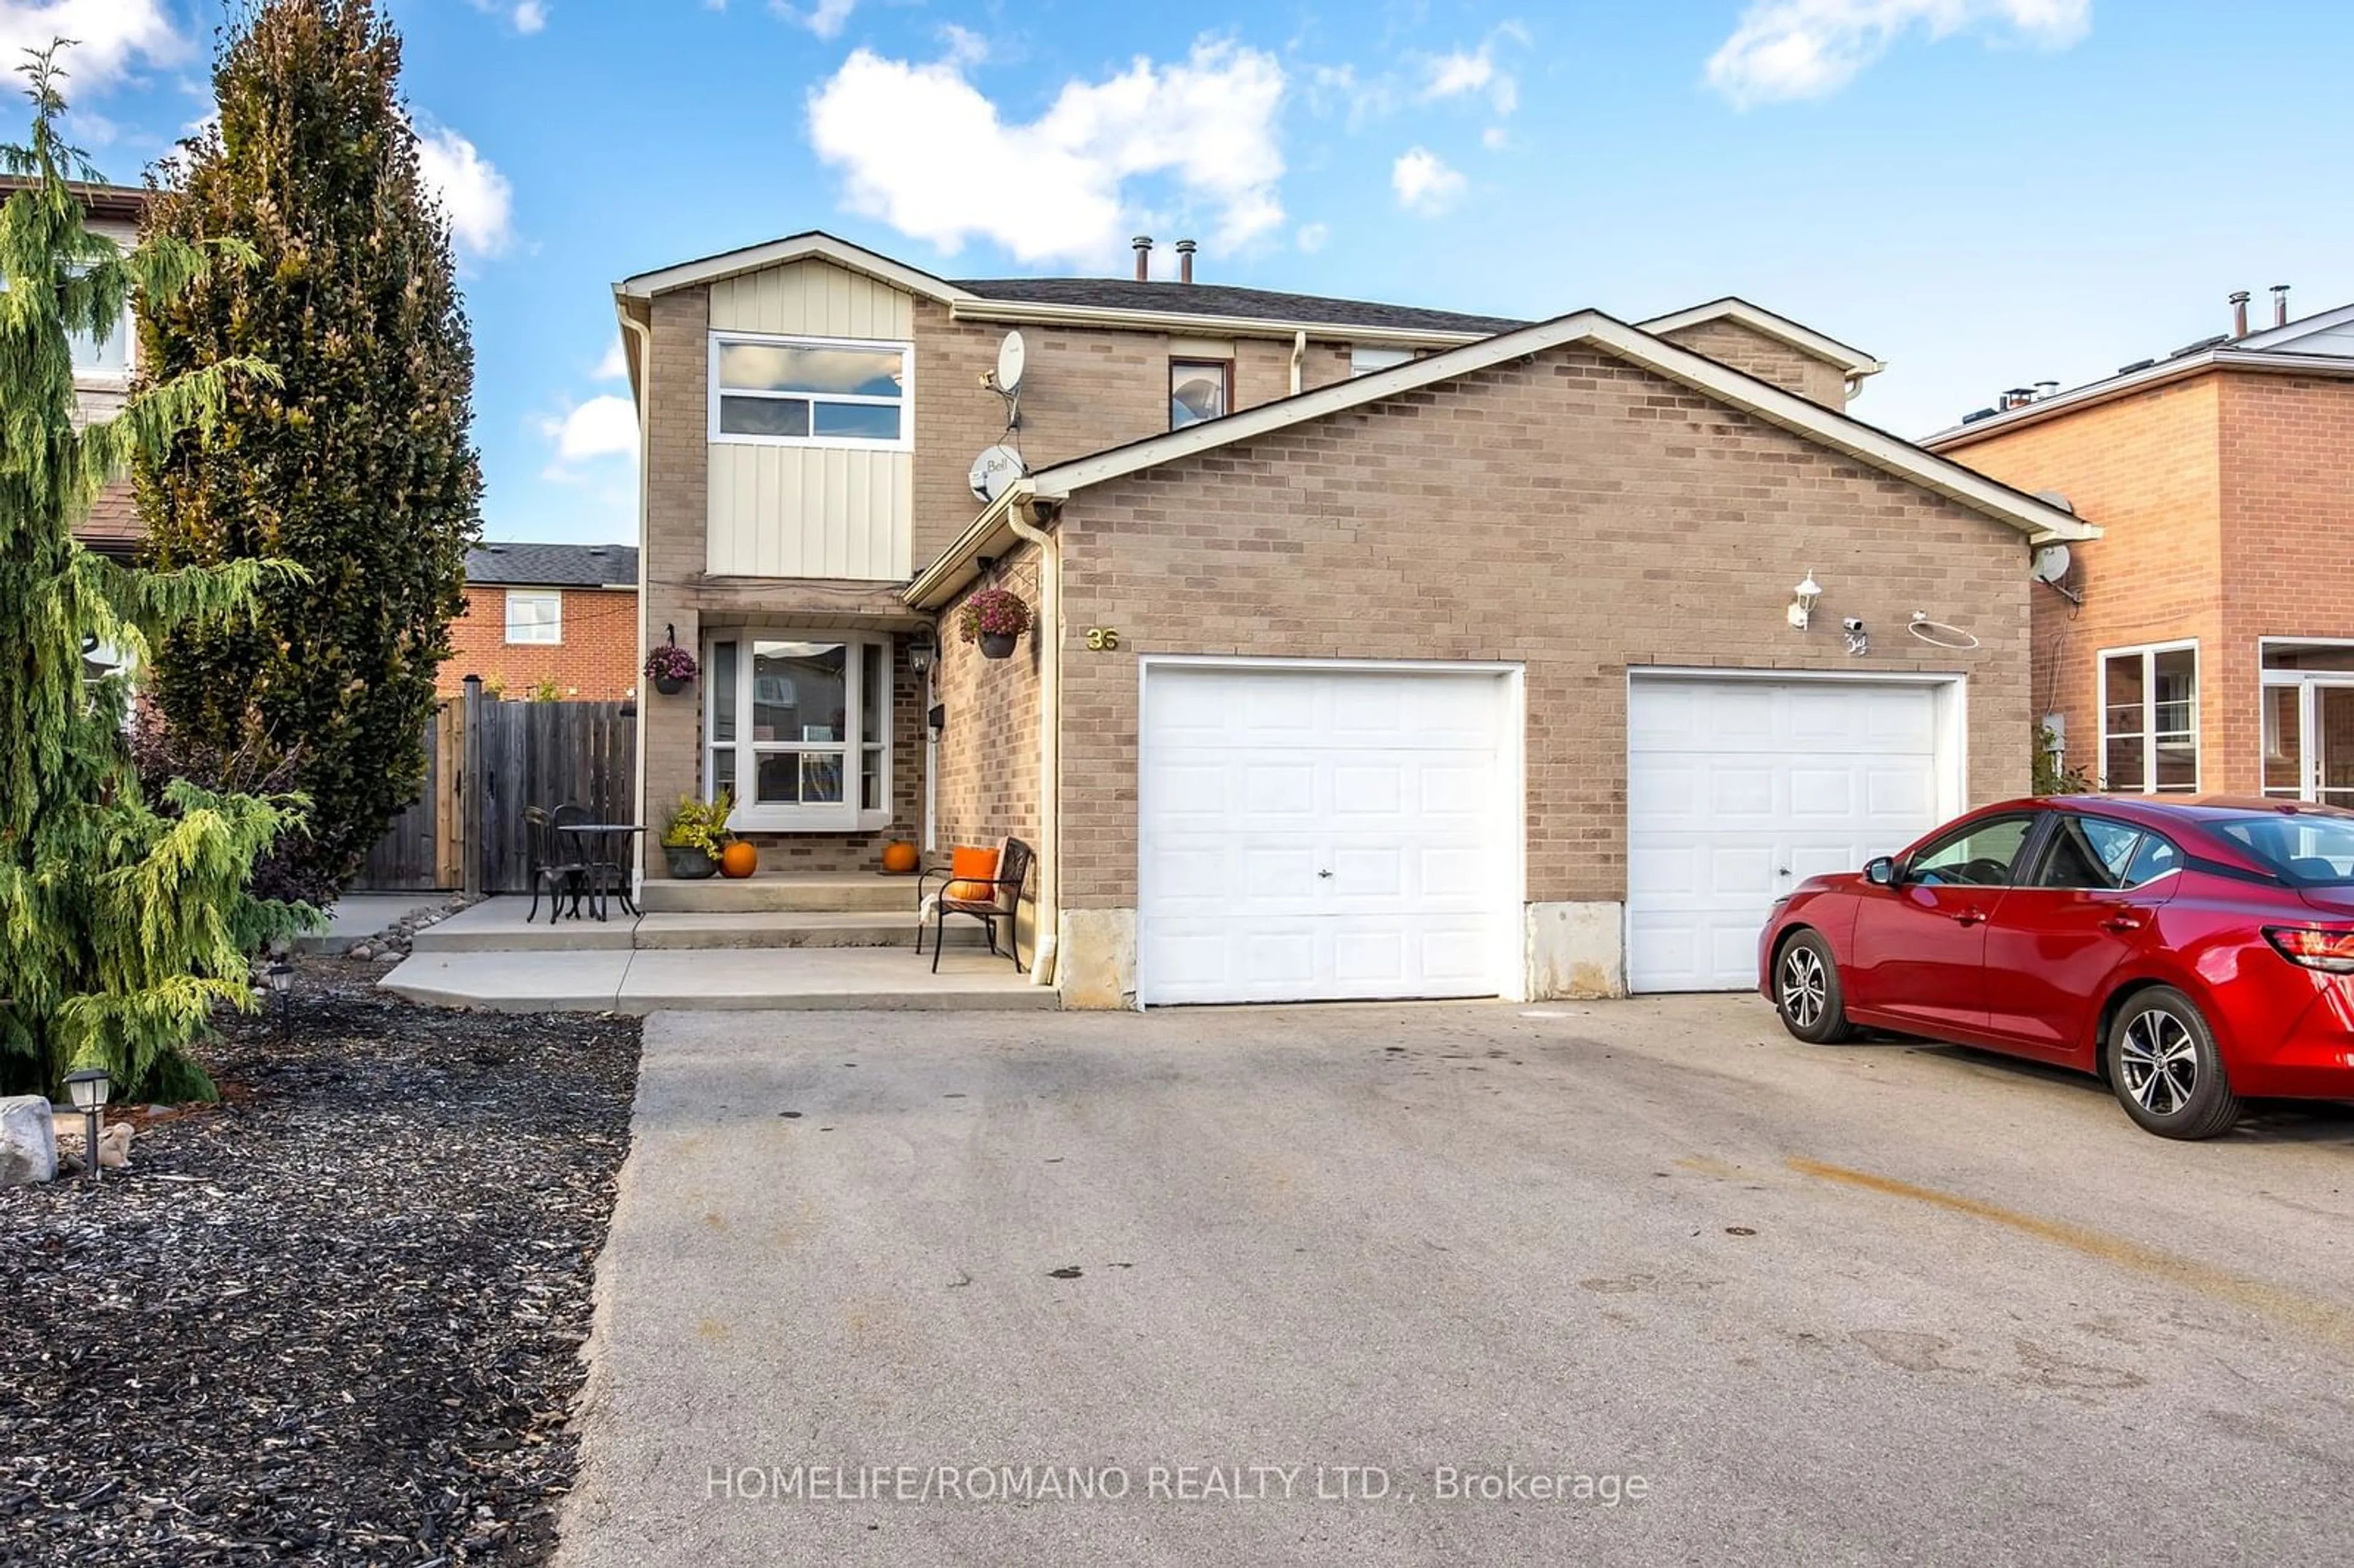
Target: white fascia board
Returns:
[[2271, 361], [794, 248], [1798, 335], [2039, 521], [974, 307], [2283, 336]]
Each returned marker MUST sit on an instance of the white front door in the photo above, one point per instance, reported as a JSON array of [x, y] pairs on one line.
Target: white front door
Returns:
[[1739, 789], [1320, 833]]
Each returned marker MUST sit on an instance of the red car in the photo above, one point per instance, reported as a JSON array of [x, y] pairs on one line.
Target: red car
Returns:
[[2190, 950]]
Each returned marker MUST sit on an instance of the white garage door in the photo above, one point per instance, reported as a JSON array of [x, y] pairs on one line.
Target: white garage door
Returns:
[[1310, 836], [1739, 790]]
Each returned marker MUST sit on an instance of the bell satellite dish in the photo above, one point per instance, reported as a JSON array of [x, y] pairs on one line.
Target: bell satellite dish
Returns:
[[993, 471], [2050, 564], [1010, 358]]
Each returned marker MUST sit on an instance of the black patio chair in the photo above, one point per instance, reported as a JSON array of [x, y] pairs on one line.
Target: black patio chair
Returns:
[[600, 875], [1003, 903], [553, 862]]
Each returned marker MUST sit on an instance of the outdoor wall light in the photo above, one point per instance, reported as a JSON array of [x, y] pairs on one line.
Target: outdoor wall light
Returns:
[[89, 1089], [1803, 599], [921, 651], [280, 978]]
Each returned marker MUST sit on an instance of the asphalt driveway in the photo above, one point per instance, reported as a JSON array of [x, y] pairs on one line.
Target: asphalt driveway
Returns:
[[1310, 1285]]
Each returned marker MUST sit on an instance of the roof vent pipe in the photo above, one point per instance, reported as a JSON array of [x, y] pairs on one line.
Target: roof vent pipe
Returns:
[[1143, 243], [2280, 305], [2046, 389], [1185, 260], [2240, 312]]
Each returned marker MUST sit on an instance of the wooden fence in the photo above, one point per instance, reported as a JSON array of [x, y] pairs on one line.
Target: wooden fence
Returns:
[[486, 763]]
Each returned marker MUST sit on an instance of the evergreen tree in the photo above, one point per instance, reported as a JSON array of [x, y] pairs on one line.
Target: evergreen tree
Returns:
[[358, 467], [121, 924]]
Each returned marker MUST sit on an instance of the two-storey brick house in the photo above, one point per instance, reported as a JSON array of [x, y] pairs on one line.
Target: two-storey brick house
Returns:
[[2205, 644], [538, 617], [1380, 650]]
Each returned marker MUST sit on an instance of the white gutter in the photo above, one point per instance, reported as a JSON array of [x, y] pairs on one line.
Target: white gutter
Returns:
[[2148, 377], [1047, 634], [643, 333]]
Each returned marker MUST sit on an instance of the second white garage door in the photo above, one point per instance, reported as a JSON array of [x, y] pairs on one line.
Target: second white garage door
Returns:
[[1738, 790], [1323, 833]]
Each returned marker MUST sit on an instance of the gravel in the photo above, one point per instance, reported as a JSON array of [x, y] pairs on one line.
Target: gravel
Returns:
[[334, 1319]]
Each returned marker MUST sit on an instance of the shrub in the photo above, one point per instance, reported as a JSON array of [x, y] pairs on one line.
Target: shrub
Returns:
[[700, 824]]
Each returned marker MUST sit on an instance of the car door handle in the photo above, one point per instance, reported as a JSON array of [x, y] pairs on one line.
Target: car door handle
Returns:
[[1969, 916], [2122, 923]]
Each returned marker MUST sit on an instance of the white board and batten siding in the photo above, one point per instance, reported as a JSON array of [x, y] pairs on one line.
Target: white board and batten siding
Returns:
[[811, 512], [1739, 788], [1323, 833]]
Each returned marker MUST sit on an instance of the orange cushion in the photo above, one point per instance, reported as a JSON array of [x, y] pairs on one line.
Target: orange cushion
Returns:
[[970, 870]]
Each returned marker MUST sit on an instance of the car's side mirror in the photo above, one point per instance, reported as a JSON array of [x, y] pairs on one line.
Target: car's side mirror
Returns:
[[1880, 871]]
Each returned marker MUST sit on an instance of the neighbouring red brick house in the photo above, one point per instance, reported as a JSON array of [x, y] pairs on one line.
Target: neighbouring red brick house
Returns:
[[539, 614], [2205, 643]]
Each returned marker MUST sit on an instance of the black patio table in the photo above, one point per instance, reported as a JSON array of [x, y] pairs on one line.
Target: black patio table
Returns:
[[602, 844]]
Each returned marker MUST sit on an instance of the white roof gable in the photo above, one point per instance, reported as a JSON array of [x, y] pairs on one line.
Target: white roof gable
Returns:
[[2330, 332]]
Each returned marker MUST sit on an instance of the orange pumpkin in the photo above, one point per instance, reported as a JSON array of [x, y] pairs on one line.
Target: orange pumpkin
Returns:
[[739, 859], [900, 858]]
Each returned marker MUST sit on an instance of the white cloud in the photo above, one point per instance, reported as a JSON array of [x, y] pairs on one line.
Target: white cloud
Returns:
[[530, 17], [925, 151], [1495, 138], [1423, 183], [475, 195], [1311, 237], [605, 425], [1809, 49], [614, 366], [824, 17], [108, 35]]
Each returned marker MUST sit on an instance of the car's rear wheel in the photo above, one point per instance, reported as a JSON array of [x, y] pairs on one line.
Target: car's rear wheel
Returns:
[[1807, 991], [2165, 1069]]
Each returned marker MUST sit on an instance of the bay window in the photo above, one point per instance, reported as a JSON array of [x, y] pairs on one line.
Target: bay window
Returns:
[[810, 392], [799, 728], [2149, 720]]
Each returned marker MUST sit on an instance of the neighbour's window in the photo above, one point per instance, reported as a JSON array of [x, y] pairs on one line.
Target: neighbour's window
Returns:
[[535, 618], [1199, 389], [2149, 720], [816, 392], [2093, 854], [1979, 855], [1365, 359], [106, 356]]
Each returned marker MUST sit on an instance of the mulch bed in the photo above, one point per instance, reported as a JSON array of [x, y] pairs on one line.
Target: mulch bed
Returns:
[[336, 1319]]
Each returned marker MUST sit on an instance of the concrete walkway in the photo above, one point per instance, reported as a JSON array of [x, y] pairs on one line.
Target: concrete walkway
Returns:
[[1276, 1270], [618, 978], [357, 916]]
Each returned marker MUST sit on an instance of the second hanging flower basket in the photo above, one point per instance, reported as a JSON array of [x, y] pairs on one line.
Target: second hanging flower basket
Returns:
[[994, 618], [671, 668]]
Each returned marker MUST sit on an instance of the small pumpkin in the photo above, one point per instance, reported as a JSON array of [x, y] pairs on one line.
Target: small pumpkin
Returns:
[[739, 859], [899, 858]]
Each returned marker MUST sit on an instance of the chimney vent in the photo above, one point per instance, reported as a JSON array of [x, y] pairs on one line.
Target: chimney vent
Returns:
[[1185, 260], [2240, 312], [1143, 243], [2046, 389], [2280, 305]]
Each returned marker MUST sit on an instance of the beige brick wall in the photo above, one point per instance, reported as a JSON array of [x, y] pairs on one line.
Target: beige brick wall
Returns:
[[1573, 514], [1768, 358], [989, 751]]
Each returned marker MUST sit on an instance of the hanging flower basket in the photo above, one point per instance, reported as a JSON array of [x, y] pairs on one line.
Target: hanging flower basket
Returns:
[[671, 668], [996, 619]]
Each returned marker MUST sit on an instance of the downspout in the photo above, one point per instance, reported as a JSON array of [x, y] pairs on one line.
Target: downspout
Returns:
[[644, 333], [1046, 939], [1299, 359]]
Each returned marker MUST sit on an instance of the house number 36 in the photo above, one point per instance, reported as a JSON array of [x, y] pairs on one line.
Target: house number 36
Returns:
[[1103, 639]]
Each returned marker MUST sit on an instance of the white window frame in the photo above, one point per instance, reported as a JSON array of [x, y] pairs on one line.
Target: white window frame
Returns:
[[904, 402], [2308, 684], [89, 374], [2148, 653], [1200, 362], [554, 625], [1364, 358], [831, 817]]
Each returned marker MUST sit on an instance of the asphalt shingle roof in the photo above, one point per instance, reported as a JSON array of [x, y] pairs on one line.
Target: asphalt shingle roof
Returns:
[[1219, 300], [529, 565]]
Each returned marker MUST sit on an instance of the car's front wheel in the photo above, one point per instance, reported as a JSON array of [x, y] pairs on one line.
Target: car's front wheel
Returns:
[[1807, 991], [2165, 1069]]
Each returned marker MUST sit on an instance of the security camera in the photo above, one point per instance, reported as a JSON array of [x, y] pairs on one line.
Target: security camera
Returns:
[[1851, 624]]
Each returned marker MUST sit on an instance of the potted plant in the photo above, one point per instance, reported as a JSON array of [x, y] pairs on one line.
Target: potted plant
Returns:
[[697, 836], [995, 619], [670, 668]]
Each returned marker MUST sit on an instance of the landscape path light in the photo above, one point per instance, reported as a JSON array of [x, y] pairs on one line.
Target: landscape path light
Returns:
[[89, 1089]]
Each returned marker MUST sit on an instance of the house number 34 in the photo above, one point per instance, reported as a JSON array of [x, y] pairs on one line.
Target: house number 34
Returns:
[[1103, 639]]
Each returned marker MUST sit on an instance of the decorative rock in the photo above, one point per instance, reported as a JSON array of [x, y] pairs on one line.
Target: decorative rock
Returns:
[[361, 953], [28, 1149], [113, 1143]]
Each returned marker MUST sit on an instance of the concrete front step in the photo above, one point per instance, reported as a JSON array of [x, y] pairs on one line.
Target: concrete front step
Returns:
[[790, 928], [843, 979], [876, 894]]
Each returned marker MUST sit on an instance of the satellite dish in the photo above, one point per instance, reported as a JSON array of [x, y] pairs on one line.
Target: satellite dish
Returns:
[[993, 471], [2050, 564], [2056, 498], [1010, 358]]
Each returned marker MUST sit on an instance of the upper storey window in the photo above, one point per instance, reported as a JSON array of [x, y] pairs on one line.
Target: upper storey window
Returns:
[[1199, 389], [810, 392]]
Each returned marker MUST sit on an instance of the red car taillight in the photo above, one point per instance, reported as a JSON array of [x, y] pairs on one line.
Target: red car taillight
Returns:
[[2330, 950]]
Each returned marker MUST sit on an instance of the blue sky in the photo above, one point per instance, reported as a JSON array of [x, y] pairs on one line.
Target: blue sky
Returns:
[[1983, 192]]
